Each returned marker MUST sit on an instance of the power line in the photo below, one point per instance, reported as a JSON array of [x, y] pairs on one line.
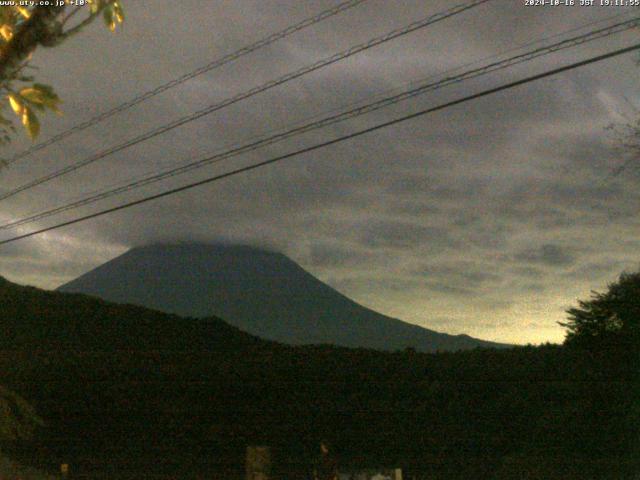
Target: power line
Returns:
[[307, 22], [333, 119], [330, 142], [254, 91]]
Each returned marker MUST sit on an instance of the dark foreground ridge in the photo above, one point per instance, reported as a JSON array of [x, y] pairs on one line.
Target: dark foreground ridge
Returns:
[[128, 392], [262, 292]]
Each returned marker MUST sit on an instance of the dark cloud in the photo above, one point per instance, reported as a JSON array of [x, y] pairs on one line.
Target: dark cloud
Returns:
[[389, 234], [533, 288], [548, 255], [450, 289], [379, 283], [527, 272], [461, 275], [328, 255]]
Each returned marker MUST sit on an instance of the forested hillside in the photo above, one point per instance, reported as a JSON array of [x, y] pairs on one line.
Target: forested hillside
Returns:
[[127, 391]]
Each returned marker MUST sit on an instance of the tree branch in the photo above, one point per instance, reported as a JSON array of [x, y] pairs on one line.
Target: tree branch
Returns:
[[42, 28], [79, 26]]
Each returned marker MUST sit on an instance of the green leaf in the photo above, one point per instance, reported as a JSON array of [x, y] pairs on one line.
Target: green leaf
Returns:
[[95, 6], [33, 95], [41, 96], [23, 11], [118, 11], [16, 104], [109, 17], [30, 122], [46, 89], [6, 31]]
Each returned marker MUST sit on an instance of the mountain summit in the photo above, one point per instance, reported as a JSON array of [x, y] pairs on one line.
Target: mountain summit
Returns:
[[262, 292]]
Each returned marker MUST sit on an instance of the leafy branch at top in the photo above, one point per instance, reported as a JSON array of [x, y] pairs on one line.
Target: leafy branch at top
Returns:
[[22, 31]]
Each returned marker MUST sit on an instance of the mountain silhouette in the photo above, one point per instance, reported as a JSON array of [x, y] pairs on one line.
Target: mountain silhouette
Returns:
[[259, 291]]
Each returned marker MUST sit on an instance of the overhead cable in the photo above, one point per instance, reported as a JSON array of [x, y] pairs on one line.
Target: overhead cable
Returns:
[[333, 119], [230, 57], [327, 143], [244, 95]]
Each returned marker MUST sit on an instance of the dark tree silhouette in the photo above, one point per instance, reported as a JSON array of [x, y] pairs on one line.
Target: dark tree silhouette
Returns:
[[610, 317], [18, 419]]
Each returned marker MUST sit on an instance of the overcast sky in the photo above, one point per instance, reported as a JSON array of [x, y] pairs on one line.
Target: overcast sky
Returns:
[[489, 218]]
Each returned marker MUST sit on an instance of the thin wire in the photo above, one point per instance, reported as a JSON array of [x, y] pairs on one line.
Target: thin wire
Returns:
[[318, 146], [188, 76], [333, 119], [254, 91]]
